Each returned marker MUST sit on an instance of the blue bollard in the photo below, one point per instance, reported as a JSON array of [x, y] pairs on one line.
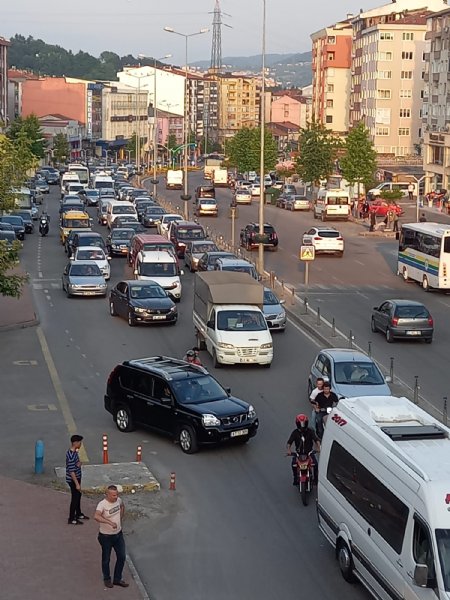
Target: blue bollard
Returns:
[[39, 457]]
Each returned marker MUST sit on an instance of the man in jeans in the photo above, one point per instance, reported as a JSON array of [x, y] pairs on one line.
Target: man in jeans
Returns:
[[73, 480], [109, 514]]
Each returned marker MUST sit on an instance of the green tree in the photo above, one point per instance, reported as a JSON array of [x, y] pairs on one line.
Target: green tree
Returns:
[[10, 283], [318, 149], [16, 159], [31, 128], [172, 141], [359, 163], [61, 148], [244, 150]]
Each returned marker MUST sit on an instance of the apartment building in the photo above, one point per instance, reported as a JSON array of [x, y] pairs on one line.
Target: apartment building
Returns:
[[331, 69], [15, 81], [239, 104], [436, 103], [388, 54], [289, 107], [3, 80], [124, 112]]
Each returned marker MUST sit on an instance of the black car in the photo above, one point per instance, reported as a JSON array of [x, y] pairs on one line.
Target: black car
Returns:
[[405, 319], [123, 220], [250, 237], [118, 241], [85, 238], [179, 399], [17, 224], [152, 216], [27, 219], [142, 205], [142, 302], [8, 236], [208, 260]]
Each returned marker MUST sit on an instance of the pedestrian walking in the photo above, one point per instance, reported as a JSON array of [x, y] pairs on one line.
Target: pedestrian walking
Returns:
[[73, 480], [109, 514], [373, 220], [422, 218], [395, 222], [411, 191]]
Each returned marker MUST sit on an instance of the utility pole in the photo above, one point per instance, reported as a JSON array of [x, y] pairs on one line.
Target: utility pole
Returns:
[[261, 163]]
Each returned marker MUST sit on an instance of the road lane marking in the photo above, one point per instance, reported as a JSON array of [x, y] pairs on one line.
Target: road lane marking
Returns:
[[59, 391], [360, 263], [303, 332]]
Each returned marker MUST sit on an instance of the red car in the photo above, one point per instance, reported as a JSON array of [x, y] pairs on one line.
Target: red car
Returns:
[[381, 208]]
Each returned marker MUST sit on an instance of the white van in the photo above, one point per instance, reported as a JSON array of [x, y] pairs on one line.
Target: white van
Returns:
[[384, 497], [160, 266], [391, 186], [332, 204], [116, 208], [68, 177]]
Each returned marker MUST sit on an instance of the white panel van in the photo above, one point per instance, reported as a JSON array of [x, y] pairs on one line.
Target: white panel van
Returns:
[[332, 204]]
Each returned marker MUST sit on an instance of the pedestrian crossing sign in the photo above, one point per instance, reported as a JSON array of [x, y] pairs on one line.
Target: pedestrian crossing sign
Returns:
[[307, 253]]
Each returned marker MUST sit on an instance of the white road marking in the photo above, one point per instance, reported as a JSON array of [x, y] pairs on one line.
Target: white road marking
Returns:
[[48, 297], [363, 295], [40, 275], [360, 263], [307, 335]]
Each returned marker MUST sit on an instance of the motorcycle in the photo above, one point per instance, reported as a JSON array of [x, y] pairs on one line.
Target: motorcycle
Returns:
[[43, 226], [321, 421], [305, 468]]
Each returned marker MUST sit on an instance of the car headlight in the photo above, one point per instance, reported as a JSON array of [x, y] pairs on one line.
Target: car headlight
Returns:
[[74, 286], [223, 345], [265, 346], [210, 421], [173, 309], [102, 285], [282, 315], [115, 246], [251, 412], [139, 310]]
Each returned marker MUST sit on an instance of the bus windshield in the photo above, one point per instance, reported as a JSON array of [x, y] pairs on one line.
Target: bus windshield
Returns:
[[82, 172]]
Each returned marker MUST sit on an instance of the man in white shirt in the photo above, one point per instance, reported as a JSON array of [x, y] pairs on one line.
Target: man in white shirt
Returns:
[[109, 514], [411, 191], [312, 397]]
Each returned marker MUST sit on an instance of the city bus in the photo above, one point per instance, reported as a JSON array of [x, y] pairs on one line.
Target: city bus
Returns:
[[424, 255], [82, 172]]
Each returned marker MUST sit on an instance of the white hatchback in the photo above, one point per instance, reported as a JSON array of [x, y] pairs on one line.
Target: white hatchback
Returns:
[[324, 239], [94, 254]]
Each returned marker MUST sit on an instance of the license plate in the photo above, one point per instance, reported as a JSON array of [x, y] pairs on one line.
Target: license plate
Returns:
[[413, 333], [89, 293], [159, 317], [246, 360], [238, 433]]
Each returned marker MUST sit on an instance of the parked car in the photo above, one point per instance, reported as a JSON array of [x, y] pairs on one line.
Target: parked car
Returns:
[[297, 202], [250, 237], [8, 236], [142, 302], [195, 250], [179, 399], [17, 224], [350, 373], [27, 219], [326, 240], [83, 279], [273, 310], [403, 319]]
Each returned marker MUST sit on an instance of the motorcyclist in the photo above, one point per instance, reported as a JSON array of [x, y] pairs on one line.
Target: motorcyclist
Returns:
[[44, 224], [305, 440], [324, 400], [192, 357]]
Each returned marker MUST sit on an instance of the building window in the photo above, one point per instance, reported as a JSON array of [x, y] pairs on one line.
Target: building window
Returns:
[[384, 74], [330, 56], [330, 72], [405, 113], [407, 55], [386, 35], [330, 88], [331, 39], [382, 131], [328, 119], [385, 56], [406, 74], [405, 93], [408, 36], [403, 131], [384, 94], [329, 103]]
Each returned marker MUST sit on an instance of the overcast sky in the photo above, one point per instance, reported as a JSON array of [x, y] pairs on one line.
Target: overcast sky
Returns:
[[136, 26]]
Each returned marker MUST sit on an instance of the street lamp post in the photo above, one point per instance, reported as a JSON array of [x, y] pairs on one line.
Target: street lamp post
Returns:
[[138, 121], [186, 197], [261, 163]]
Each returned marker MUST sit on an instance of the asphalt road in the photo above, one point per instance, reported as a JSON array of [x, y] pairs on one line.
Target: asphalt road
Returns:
[[348, 288], [235, 526]]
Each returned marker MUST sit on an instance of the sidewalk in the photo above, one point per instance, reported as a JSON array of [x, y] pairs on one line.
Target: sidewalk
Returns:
[[44, 557], [18, 313]]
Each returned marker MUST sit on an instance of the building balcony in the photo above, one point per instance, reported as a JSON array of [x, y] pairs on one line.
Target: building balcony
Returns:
[[426, 77], [437, 54], [436, 77]]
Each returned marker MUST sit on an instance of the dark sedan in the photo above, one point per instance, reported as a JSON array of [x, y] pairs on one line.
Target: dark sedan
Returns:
[[118, 241], [17, 224], [152, 216], [142, 302], [142, 205], [121, 221], [404, 319], [27, 219], [207, 262]]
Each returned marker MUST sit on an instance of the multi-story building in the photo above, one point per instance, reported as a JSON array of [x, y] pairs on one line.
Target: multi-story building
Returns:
[[436, 103], [15, 81], [331, 69], [51, 125], [3, 80], [292, 108], [124, 112], [239, 104], [387, 73]]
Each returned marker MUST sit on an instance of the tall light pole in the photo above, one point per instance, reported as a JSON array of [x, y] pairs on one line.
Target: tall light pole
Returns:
[[138, 120], [261, 162], [186, 197]]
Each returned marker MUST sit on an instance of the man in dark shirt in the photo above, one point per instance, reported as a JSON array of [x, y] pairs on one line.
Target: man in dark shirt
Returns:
[[305, 439], [73, 480], [324, 400]]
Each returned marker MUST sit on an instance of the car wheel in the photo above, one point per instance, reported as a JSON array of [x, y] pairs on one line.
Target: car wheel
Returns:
[[314, 214], [201, 345], [248, 247], [405, 274], [323, 217], [112, 310], [428, 340], [340, 254], [131, 321], [425, 284], [345, 561], [373, 327], [216, 363], [389, 336], [124, 419], [187, 439]]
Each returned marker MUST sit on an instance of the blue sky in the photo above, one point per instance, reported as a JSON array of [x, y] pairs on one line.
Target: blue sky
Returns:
[[136, 26]]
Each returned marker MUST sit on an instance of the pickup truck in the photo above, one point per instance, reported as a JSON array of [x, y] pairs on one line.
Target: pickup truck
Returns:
[[228, 319]]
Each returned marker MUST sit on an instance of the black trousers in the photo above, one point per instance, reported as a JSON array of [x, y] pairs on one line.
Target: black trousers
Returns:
[[75, 500]]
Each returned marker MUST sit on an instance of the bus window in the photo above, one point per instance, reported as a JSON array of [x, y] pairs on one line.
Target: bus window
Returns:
[[446, 245]]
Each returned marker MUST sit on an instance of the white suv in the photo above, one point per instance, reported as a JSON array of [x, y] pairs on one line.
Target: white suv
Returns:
[[324, 239], [160, 266]]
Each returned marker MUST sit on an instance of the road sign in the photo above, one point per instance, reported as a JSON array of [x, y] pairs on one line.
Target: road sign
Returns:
[[307, 253]]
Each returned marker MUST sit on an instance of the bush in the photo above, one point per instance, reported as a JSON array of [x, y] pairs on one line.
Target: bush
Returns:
[[391, 196]]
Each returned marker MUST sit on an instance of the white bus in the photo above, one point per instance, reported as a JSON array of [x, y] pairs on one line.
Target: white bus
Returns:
[[424, 254], [82, 172]]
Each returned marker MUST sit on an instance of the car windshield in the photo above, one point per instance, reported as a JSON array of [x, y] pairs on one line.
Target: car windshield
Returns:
[[242, 269], [207, 201], [192, 233], [241, 320], [147, 291], [122, 235], [154, 210], [91, 241], [11, 219], [124, 210], [170, 218], [196, 390], [158, 246], [91, 254], [201, 248], [85, 270], [93, 193], [357, 373], [443, 544], [158, 269], [412, 312], [270, 298]]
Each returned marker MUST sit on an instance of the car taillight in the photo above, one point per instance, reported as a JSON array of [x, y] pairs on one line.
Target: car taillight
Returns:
[[394, 320], [430, 321], [340, 239], [274, 236], [317, 238], [111, 375]]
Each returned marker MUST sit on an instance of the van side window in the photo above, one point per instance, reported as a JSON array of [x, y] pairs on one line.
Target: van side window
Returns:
[[384, 511], [423, 551]]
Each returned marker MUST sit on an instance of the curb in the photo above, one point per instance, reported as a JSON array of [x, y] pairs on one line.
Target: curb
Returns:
[[22, 325], [137, 579]]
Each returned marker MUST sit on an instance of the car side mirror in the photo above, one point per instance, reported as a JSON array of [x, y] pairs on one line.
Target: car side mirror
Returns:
[[376, 308], [181, 272], [282, 302], [388, 379], [108, 258], [72, 258], [228, 390], [421, 575], [210, 324]]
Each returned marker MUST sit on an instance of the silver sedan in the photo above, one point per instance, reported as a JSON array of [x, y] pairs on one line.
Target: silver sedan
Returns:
[[83, 278]]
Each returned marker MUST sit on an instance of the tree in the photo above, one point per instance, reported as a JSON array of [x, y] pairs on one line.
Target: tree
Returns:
[[10, 283], [16, 159], [318, 150], [31, 127], [131, 146], [172, 141], [359, 163], [244, 150], [61, 148]]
